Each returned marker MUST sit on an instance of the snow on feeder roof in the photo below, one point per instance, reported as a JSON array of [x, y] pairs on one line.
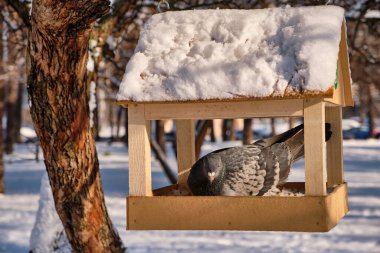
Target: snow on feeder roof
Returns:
[[227, 54]]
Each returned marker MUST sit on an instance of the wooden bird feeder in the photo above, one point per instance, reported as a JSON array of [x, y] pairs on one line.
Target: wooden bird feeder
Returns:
[[319, 210]]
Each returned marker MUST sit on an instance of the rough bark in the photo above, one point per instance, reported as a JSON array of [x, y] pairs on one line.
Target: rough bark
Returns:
[[58, 51]]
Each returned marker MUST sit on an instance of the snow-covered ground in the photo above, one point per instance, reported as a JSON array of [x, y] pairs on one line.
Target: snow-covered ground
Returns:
[[359, 231]]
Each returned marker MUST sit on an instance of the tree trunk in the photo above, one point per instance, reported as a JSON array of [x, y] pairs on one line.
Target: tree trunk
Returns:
[[12, 114], [160, 135], [201, 134], [119, 112], [212, 132], [247, 132], [12, 87], [18, 116], [273, 126], [58, 51], [126, 126], [292, 122], [2, 170], [111, 121], [2, 77], [228, 130], [232, 130], [161, 157], [370, 109]]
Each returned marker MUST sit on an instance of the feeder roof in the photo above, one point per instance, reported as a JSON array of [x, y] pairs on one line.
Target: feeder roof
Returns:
[[229, 54]]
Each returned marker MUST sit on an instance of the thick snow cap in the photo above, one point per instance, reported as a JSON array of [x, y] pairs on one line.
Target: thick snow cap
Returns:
[[227, 54]]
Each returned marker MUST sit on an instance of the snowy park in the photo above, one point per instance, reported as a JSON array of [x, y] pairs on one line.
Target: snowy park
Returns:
[[358, 231], [189, 126]]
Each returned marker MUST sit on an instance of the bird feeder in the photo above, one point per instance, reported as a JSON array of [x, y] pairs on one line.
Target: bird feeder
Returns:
[[172, 208]]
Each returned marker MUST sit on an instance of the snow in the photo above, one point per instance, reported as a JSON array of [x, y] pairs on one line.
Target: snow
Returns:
[[357, 232], [223, 54], [92, 102], [47, 232], [372, 14]]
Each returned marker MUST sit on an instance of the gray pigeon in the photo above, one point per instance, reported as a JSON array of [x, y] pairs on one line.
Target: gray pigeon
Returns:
[[249, 170]]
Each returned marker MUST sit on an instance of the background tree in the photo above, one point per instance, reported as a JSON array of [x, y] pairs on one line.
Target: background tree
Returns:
[[14, 44], [247, 131], [2, 77]]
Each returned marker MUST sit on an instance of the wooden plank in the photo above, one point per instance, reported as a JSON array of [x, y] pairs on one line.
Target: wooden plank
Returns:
[[306, 213], [334, 147], [140, 181], [338, 205], [345, 67], [272, 97], [315, 147], [224, 110], [338, 96], [185, 150]]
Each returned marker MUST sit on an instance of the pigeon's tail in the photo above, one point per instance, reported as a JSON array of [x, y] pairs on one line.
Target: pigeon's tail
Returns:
[[279, 138], [295, 145], [296, 142], [288, 135]]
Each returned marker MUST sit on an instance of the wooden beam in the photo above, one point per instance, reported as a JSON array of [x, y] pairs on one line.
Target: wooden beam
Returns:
[[185, 150], [315, 147], [285, 213], [345, 67], [334, 147], [140, 177], [224, 110]]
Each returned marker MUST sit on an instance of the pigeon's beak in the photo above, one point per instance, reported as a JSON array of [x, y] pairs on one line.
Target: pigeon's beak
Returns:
[[211, 176]]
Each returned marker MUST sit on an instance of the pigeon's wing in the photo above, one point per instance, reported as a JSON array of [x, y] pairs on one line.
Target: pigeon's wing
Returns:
[[250, 171], [284, 158], [269, 162]]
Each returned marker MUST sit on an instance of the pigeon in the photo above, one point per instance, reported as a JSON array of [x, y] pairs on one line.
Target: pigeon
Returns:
[[256, 169]]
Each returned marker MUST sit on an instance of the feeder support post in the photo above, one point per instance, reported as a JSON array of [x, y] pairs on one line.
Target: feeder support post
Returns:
[[315, 147], [185, 149], [140, 176], [334, 147]]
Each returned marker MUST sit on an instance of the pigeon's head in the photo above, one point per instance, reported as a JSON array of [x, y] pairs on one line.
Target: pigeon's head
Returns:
[[212, 167], [207, 175]]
